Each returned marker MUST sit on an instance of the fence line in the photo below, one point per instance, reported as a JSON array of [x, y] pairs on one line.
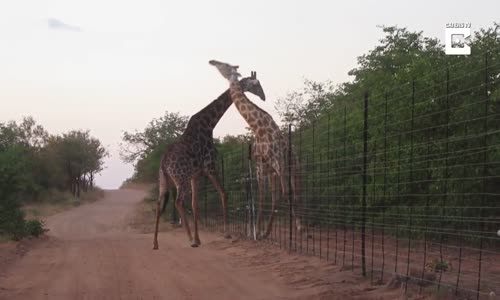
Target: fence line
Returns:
[[403, 187]]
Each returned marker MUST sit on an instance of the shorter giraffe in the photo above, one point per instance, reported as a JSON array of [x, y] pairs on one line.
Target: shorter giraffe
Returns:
[[271, 149], [195, 155]]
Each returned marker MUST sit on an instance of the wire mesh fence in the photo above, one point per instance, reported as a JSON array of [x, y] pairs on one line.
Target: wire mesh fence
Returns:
[[402, 182]]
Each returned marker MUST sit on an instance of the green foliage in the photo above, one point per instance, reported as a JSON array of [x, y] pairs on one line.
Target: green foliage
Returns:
[[34, 228], [12, 223], [416, 165], [300, 108], [32, 163], [14, 181], [11, 219], [145, 148], [78, 156]]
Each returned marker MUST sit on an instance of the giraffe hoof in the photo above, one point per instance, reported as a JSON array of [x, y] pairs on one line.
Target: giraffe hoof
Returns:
[[227, 236], [195, 243], [155, 246]]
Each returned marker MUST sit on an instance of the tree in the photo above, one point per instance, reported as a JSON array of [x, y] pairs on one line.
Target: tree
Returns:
[[27, 134], [33, 162], [448, 117], [78, 156], [303, 107], [158, 133], [145, 148], [95, 163]]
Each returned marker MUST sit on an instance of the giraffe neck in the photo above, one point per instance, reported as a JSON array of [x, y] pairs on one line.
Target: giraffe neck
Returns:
[[248, 110], [209, 116]]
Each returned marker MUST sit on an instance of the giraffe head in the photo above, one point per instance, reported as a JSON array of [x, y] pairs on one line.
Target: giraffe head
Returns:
[[252, 84], [227, 71]]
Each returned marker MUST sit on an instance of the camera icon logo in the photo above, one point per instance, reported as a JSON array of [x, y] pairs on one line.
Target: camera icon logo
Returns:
[[456, 37]]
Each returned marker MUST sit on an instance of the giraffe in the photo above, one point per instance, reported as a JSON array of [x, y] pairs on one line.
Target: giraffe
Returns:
[[270, 150], [194, 155]]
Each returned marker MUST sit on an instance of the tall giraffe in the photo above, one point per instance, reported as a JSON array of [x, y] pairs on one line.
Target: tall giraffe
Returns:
[[195, 155], [271, 150]]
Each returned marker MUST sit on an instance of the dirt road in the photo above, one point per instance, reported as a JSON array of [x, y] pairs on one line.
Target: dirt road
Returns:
[[93, 253]]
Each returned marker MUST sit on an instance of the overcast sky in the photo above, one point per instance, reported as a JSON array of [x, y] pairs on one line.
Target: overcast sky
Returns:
[[113, 65]]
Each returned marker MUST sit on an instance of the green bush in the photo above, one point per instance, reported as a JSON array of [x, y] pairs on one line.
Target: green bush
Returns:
[[12, 222], [34, 228], [11, 219]]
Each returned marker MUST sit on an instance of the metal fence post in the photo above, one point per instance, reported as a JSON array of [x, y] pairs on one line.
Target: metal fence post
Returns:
[[385, 187], [412, 186], [290, 187], [363, 204], [344, 185], [223, 186], [206, 200], [252, 202], [485, 172]]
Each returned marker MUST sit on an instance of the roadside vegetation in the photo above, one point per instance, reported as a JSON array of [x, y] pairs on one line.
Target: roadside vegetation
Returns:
[[41, 173]]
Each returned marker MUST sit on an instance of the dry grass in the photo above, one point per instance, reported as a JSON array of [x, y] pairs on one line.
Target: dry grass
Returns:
[[143, 219], [92, 195], [58, 202], [54, 202], [143, 186]]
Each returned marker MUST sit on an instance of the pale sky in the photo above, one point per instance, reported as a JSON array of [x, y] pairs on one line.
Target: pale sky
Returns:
[[113, 65]]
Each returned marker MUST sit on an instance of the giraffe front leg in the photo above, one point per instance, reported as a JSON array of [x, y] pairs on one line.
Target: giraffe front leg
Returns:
[[261, 186], [158, 212], [296, 194], [274, 195], [194, 203], [174, 220], [161, 194], [223, 198]]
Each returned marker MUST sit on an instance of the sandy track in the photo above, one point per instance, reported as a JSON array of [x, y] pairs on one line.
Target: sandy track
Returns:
[[92, 253]]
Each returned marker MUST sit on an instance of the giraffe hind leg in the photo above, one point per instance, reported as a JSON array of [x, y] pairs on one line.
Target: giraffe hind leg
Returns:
[[194, 203], [162, 190], [223, 198], [181, 195], [165, 201]]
